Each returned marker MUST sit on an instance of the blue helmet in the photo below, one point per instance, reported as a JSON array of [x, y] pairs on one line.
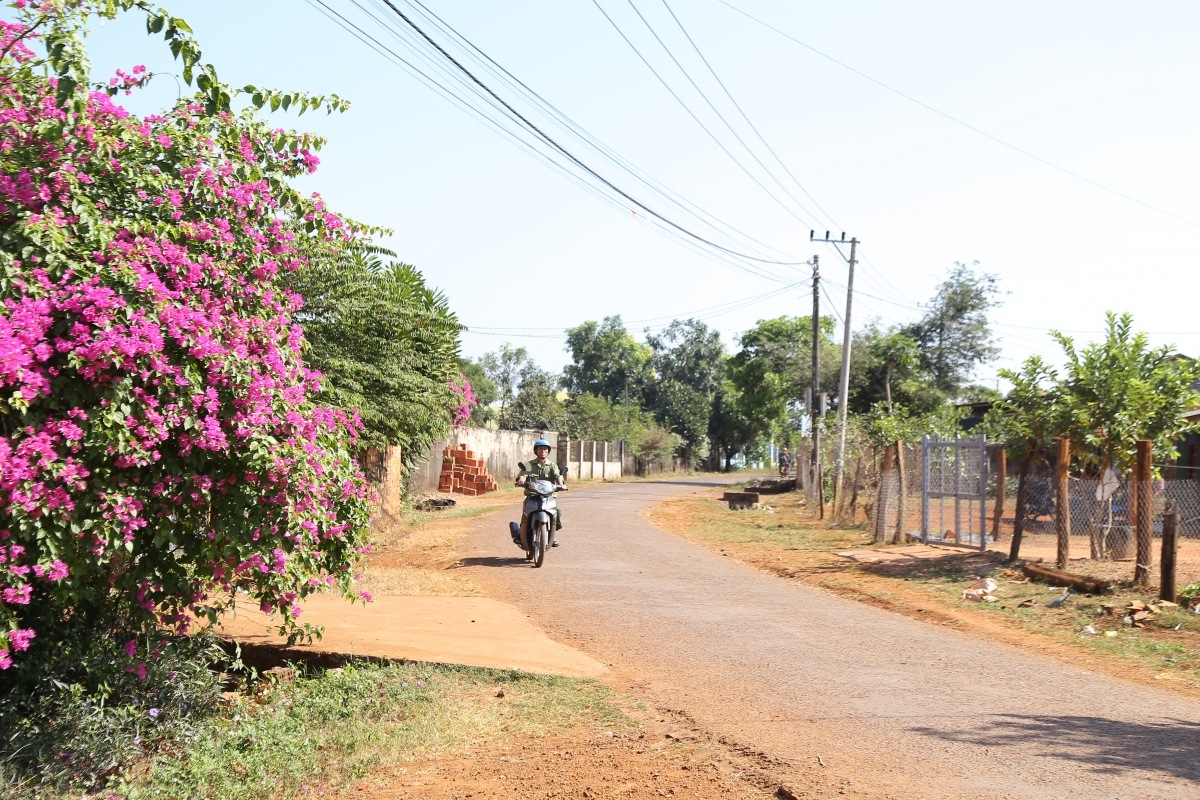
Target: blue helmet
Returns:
[[541, 443]]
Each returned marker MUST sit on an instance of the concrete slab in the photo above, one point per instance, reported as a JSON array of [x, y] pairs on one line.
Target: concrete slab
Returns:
[[476, 631]]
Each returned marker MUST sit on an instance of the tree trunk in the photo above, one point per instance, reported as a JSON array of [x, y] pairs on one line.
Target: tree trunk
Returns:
[[1014, 551], [902, 506], [854, 491], [888, 384]]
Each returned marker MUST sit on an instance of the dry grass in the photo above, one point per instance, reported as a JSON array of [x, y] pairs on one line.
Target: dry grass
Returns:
[[417, 582]]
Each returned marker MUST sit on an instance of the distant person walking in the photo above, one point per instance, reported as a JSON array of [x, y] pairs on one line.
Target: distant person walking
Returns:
[[785, 462]]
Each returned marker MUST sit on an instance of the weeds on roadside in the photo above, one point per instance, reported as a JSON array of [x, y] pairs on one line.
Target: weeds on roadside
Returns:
[[77, 713], [326, 730]]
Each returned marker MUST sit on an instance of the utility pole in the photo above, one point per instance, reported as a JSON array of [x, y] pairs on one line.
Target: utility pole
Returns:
[[815, 473], [844, 383]]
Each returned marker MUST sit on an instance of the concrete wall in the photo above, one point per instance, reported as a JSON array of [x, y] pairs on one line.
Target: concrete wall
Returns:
[[385, 473], [588, 460], [500, 450]]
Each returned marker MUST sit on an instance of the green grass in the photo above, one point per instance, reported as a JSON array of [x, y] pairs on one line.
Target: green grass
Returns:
[[325, 731]]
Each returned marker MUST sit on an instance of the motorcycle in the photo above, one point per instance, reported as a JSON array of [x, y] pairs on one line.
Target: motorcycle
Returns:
[[541, 510]]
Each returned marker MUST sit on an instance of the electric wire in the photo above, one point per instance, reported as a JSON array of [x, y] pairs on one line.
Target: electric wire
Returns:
[[466, 106], [574, 129], [745, 117], [439, 88], [715, 110], [966, 125], [566, 153], [758, 298]]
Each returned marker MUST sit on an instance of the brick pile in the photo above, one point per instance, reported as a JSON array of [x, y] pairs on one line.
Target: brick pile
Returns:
[[463, 473]]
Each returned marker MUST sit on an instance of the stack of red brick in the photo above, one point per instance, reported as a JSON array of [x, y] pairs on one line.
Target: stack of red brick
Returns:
[[462, 472]]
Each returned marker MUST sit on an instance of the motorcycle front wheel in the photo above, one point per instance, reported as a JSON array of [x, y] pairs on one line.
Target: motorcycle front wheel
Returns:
[[541, 541]]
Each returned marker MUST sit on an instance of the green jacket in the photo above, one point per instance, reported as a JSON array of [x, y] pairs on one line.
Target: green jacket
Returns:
[[540, 472]]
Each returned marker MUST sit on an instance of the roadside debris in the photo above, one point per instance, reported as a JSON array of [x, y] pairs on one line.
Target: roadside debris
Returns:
[[1058, 601], [981, 591]]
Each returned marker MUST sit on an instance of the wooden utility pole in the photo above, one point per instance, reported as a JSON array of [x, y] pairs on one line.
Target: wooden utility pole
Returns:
[[844, 378], [816, 388], [1062, 508], [1001, 476], [1142, 471], [1170, 545]]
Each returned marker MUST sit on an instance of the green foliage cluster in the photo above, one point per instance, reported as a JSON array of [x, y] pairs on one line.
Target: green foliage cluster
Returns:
[[386, 344], [1110, 394]]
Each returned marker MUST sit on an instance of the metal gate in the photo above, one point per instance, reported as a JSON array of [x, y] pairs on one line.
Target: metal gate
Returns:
[[954, 492]]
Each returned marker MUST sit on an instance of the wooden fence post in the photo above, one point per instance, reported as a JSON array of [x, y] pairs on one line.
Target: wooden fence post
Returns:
[[1170, 545], [902, 506], [1001, 476], [1145, 512], [1062, 507], [881, 507]]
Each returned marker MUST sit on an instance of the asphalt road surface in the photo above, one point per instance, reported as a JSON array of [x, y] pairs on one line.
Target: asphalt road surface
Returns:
[[894, 707]]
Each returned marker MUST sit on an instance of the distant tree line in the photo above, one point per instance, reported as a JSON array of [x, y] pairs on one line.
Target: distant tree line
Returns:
[[682, 392]]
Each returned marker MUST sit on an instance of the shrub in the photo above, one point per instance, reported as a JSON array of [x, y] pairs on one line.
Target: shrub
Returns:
[[160, 450]]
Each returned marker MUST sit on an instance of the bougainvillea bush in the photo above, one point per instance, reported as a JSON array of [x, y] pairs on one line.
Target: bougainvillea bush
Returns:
[[161, 454]]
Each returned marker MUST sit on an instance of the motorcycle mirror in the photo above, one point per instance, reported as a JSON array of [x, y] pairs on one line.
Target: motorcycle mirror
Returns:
[[565, 470], [521, 464]]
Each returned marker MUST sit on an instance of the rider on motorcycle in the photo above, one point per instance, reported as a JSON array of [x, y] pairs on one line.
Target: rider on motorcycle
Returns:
[[540, 470]]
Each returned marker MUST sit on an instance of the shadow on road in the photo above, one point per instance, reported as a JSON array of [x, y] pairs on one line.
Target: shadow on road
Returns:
[[1106, 746], [491, 561]]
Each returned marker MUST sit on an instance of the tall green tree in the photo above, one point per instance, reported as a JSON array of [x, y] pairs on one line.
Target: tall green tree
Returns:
[[536, 404], [507, 369], [606, 361], [386, 343], [773, 367], [686, 359], [687, 352], [954, 336], [731, 428]]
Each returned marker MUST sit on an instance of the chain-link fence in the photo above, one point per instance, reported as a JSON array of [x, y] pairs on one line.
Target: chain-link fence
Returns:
[[1102, 539]]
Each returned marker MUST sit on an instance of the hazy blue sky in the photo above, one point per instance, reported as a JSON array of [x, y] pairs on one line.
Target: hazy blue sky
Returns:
[[1107, 90]]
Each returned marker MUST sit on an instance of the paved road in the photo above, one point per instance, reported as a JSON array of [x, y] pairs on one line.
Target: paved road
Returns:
[[898, 707]]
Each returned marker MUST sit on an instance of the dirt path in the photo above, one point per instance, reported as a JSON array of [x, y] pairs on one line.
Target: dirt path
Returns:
[[849, 699]]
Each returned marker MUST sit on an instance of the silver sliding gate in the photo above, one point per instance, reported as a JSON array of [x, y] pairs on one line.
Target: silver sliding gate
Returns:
[[954, 492]]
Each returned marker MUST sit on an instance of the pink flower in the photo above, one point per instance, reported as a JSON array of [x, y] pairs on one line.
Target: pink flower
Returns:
[[5, 661], [20, 638], [18, 597], [131, 648], [58, 570], [141, 671]]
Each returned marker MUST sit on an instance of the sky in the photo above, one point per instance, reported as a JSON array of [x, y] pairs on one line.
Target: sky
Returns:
[[1104, 90]]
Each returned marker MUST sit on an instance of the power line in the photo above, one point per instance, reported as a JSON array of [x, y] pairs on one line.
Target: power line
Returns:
[[575, 130], [699, 314], [706, 99], [566, 153], [966, 125], [391, 55]]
